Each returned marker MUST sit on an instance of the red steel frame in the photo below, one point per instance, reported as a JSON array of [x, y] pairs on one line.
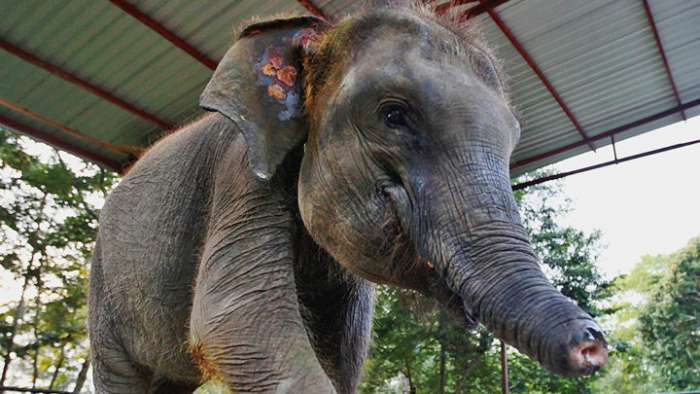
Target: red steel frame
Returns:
[[444, 7], [476, 10], [531, 62], [55, 125], [52, 140], [83, 84], [609, 133], [483, 6], [165, 33], [313, 9], [662, 52], [548, 178], [487, 6]]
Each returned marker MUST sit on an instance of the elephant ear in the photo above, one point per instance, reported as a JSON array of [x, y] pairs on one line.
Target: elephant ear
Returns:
[[257, 86]]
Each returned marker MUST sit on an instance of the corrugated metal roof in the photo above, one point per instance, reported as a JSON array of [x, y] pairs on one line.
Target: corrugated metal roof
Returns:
[[599, 55]]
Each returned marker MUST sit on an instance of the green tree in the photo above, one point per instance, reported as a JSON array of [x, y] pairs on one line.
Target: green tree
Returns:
[[418, 348], [656, 325], [629, 370], [48, 217], [670, 321]]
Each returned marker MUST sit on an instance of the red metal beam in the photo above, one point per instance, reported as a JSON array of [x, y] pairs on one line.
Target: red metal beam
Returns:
[[444, 7], [83, 84], [480, 8], [314, 9], [609, 133], [531, 62], [133, 151], [548, 178], [53, 140], [660, 45], [33, 390], [165, 33]]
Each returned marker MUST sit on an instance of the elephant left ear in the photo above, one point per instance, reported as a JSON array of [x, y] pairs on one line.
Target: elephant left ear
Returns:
[[257, 86]]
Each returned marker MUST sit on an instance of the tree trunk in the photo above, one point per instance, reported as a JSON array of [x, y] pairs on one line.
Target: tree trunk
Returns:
[[441, 339], [82, 375], [35, 322], [19, 314], [61, 357], [411, 386], [442, 369]]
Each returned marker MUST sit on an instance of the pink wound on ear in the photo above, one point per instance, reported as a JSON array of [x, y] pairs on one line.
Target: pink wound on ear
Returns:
[[287, 75], [276, 59], [279, 79], [305, 38], [276, 91], [269, 70]]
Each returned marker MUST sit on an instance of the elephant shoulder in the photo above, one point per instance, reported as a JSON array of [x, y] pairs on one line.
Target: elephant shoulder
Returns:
[[185, 162], [198, 143]]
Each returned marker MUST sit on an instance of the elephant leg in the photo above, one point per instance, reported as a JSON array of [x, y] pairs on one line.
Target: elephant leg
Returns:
[[113, 371], [246, 329], [337, 308]]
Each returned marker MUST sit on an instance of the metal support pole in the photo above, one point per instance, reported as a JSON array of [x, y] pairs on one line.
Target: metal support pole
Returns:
[[504, 369], [156, 26], [83, 84], [32, 390], [616, 130], [548, 178]]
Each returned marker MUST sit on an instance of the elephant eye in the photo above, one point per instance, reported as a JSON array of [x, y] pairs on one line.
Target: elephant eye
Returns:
[[395, 117]]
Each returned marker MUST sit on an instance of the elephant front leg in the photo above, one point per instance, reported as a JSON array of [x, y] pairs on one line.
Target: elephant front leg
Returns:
[[246, 329], [337, 309]]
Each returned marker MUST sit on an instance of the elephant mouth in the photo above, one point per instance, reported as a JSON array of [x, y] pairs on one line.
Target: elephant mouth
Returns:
[[458, 310], [434, 287]]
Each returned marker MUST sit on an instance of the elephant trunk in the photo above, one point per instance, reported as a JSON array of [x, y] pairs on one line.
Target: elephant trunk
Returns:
[[509, 294], [481, 249]]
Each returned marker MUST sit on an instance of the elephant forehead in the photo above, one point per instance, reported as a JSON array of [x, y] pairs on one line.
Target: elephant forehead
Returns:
[[397, 32], [425, 82]]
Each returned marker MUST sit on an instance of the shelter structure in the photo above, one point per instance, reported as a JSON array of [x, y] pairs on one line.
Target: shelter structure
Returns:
[[91, 77]]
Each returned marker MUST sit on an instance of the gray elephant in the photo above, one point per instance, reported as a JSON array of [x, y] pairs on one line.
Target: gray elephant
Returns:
[[243, 247]]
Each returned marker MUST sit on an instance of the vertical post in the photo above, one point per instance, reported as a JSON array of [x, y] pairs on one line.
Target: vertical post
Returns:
[[612, 140], [504, 369]]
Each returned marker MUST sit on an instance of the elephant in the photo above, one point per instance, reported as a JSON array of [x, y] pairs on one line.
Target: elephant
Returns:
[[245, 247]]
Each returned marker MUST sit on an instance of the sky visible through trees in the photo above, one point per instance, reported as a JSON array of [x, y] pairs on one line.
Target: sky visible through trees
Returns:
[[48, 218]]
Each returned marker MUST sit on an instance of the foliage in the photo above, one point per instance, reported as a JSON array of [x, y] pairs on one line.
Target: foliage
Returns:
[[48, 217], [411, 348], [568, 254], [421, 345], [670, 322], [656, 325]]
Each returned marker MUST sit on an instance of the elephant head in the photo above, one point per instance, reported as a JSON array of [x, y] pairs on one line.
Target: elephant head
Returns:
[[405, 172]]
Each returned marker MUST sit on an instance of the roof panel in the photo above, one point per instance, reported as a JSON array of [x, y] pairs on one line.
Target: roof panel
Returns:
[[602, 59], [542, 119], [209, 25], [677, 22], [600, 55], [61, 140]]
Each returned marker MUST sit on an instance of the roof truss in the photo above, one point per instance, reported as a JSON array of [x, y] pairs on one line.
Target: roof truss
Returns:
[[478, 7]]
